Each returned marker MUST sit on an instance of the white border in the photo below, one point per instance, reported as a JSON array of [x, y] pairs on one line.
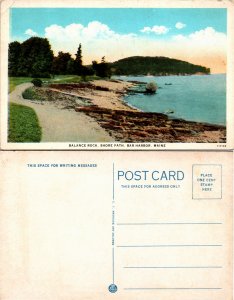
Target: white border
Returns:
[[6, 4]]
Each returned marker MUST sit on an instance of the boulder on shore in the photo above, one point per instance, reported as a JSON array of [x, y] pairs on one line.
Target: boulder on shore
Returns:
[[151, 88]]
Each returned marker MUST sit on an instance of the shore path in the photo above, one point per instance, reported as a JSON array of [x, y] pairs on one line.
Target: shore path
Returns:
[[61, 125]]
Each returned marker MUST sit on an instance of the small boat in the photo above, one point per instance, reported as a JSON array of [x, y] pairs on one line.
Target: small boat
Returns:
[[169, 111]]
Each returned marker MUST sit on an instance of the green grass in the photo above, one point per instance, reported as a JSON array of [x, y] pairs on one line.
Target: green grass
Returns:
[[23, 125], [71, 79], [65, 79], [23, 121], [14, 81]]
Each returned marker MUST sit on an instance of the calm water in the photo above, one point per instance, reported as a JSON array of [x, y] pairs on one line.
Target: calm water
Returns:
[[200, 98]]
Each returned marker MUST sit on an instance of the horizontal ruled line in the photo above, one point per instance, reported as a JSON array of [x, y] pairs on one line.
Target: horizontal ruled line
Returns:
[[152, 246], [173, 288], [170, 223], [173, 267]]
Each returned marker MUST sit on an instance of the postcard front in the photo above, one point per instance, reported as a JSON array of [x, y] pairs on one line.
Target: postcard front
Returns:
[[116, 225], [144, 75]]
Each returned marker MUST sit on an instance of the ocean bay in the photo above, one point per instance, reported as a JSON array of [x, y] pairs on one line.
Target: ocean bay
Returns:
[[199, 98]]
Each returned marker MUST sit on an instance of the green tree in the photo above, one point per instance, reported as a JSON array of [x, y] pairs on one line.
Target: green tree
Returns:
[[60, 63], [78, 61], [94, 65], [159, 65], [14, 52], [101, 69], [71, 67], [86, 71], [36, 58]]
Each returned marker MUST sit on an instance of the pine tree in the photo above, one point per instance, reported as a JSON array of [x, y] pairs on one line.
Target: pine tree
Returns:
[[78, 61]]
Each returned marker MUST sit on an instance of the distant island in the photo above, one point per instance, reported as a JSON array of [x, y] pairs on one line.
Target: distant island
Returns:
[[158, 65]]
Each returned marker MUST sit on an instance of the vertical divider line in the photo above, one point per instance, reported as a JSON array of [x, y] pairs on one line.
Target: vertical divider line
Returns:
[[113, 225], [113, 182], [113, 265]]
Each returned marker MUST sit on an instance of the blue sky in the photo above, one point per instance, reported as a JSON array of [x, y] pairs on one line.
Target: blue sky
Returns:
[[120, 20], [197, 35]]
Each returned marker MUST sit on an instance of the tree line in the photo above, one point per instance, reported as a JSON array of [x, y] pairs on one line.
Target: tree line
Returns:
[[158, 65], [35, 58]]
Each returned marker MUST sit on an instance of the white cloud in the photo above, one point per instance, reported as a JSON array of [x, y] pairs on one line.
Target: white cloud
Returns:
[[180, 25], [209, 33], [93, 30], [96, 29], [208, 36], [97, 39], [100, 40], [146, 29], [179, 37], [156, 29], [30, 32], [207, 47]]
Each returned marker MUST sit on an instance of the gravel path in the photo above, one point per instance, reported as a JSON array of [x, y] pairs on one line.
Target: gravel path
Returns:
[[61, 125]]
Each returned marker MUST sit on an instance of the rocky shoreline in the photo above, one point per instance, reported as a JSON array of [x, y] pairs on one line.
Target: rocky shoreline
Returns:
[[102, 100], [135, 126]]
